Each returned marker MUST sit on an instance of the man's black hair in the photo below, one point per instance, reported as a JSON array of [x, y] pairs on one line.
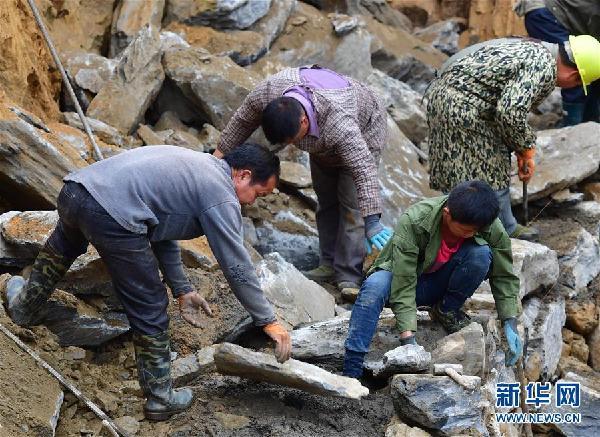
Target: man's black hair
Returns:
[[281, 119], [473, 203], [258, 159]]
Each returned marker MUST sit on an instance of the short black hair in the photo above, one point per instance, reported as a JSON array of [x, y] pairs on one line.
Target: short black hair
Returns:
[[564, 56], [473, 203], [258, 159], [281, 119]]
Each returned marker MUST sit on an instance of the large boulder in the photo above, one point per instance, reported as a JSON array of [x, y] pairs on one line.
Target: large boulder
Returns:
[[123, 100], [544, 321], [403, 104], [221, 14], [300, 249], [90, 71], [564, 157], [103, 131], [403, 180], [380, 10], [310, 39], [295, 298], [535, 264], [466, 347], [129, 18], [442, 35], [214, 85], [231, 359], [438, 403], [33, 160]]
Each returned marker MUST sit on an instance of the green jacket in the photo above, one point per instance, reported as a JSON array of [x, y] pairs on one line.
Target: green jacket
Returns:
[[414, 247]]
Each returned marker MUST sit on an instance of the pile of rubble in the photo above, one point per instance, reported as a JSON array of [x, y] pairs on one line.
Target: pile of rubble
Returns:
[[173, 72]]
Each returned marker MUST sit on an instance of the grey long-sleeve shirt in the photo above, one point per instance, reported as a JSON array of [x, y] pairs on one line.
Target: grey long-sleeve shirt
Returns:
[[171, 193]]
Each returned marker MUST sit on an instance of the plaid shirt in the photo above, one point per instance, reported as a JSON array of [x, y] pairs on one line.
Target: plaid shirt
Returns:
[[352, 123]]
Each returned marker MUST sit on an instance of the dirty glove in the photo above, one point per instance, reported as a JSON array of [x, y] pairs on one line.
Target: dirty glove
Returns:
[[408, 340], [526, 164], [188, 307], [376, 234], [515, 345], [283, 349]]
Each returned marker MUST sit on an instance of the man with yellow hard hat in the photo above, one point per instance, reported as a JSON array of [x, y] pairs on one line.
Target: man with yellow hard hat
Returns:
[[554, 21], [478, 105]]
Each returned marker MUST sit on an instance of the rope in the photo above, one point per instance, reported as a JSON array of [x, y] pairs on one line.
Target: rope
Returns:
[[65, 78], [106, 421]]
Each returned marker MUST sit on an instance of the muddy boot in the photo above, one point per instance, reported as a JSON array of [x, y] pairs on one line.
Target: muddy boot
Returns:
[[525, 233], [320, 274], [452, 321], [25, 299], [153, 356]]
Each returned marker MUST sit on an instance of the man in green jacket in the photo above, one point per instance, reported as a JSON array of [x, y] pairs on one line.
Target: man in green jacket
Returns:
[[441, 251]]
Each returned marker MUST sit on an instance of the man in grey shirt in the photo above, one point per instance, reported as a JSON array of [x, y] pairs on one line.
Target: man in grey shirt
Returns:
[[132, 208]]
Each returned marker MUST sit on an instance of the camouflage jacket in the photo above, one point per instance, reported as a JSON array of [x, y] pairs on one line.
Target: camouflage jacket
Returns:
[[477, 111], [352, 123]]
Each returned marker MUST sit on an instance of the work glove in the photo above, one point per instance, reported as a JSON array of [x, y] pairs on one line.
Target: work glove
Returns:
[[515, 345], [408, 340], [526, 164], [376, 234], [283, 348], [189, 304]]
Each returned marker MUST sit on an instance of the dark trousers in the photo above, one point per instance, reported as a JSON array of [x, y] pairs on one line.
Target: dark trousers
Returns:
[[451, 285], [339, 222], [128, 257], [542, 24]]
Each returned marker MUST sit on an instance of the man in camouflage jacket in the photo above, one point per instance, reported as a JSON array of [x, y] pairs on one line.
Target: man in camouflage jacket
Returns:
[[477, 114], [342, 124]]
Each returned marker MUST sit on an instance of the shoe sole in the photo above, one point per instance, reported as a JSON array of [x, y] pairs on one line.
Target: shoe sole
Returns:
[[163, 415]]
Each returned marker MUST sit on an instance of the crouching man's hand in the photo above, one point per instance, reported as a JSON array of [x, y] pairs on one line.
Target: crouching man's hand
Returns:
[[189, 304], [283, 348], [515, 345]]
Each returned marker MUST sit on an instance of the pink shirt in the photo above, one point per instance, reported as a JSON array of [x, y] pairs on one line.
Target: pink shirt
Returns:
[[444, 255]]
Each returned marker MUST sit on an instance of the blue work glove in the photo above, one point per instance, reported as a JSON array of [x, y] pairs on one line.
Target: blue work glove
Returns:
[[376, 234], [515, 345]]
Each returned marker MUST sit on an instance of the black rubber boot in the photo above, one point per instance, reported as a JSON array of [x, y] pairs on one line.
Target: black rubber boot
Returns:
[[26, 299], [153, 356]]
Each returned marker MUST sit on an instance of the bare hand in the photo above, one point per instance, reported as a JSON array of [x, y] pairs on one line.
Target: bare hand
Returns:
[[189, 304]]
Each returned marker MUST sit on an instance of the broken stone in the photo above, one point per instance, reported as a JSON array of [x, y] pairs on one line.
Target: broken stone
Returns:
[[34, 162], [545, 322], [591, 191], [535, 264], [323, 342], [580, 263], [438, 403], [29, 229], [579, 349], [582, 316], [440, 368], [565, 197], [149, 137], [403, 180], [185, 369], [594, 345], [382, 11], [295, 298], [480, 302], [398, 429], [404, 359], [586, 213], [403, 104], [129, 18], [300, 250], [442, 35], [103, 131], [206, 359], [564, 157], [125, 98], [90, 71], [295, 175], [342, 23], [215, 85], [196, 253], [235, 360], [221, 14], [107, 401], [74, 353], [128, 424], [466, 347]]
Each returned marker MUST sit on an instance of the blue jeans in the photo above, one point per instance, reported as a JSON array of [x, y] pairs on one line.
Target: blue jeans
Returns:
[[451, 285], [542, 24]]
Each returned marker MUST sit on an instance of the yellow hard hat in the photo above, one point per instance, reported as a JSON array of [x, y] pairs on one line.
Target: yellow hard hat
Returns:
[[586, 54]]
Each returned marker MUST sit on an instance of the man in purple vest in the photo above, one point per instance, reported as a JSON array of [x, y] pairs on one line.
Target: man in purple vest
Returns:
[[343, 125]]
